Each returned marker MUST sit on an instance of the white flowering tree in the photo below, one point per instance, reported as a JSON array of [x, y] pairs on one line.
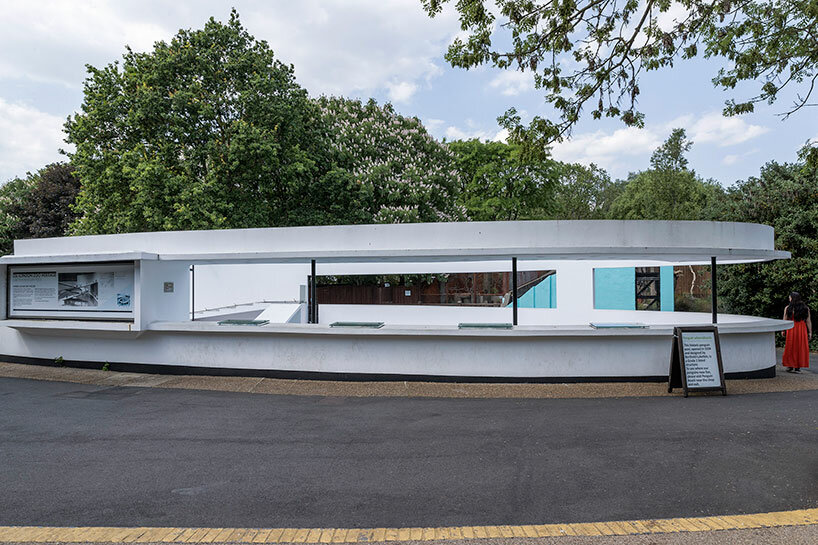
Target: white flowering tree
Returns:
[[402, 173]]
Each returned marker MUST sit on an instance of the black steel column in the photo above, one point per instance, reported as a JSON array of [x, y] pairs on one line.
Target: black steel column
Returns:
[[713, 290], [192, 293], [313, 295], [514, 288]]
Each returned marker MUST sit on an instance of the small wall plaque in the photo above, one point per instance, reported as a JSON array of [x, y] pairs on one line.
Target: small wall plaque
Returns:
[[168, 287]]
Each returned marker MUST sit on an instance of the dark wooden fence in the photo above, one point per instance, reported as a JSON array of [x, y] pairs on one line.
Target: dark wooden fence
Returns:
[[477, 289], [692, 280]]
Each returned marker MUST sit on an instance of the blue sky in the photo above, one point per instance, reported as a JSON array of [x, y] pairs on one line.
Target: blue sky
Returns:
[[389, 50]]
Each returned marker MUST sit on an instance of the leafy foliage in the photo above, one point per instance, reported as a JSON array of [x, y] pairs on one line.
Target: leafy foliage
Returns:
[[12, 194], [206, 131], [46, 210], [784, 196], [668, 190], [585, 193], [38, 205], [399, 172], [593, 52], [211, 131], [499, 183]]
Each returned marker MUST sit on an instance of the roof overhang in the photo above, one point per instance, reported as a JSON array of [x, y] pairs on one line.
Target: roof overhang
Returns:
[[667, 242]]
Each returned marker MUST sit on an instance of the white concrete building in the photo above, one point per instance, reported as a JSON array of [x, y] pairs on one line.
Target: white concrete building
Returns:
[[130, 299]]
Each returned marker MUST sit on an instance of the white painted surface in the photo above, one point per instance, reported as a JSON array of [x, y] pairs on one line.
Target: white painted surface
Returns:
[[224, 285], [155, 303], [539, 352], [3, 300], [673, 241], [431, 315], [281, 313]]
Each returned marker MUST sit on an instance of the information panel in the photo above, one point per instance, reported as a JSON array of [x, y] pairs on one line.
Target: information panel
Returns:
[[695, 360], [72, 291], [700, 359]]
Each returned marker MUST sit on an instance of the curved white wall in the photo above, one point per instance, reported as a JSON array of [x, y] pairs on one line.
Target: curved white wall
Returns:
[[526, 352]]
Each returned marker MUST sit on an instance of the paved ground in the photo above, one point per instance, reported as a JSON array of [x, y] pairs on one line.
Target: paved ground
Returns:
[[76, 454], [784, 382], [111, 449]]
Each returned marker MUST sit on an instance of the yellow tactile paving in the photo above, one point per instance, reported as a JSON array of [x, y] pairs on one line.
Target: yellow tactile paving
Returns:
[[46, 534]]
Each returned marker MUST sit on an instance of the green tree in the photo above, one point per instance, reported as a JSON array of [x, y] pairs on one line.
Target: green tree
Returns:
[[784, 196], [395, 170], [500, 183], [46, 209], [585, 193], [208, 130], [592, 53], [668, 190], [12, 194]]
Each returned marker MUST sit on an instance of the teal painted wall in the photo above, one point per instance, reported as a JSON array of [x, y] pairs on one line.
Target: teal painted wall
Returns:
[[615, 288], [543, 295], [667, 288]]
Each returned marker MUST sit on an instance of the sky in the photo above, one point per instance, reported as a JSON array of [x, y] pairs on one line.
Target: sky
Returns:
[[386, 49]]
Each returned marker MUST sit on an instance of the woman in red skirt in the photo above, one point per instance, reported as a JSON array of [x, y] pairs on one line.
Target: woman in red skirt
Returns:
[[796, 347]]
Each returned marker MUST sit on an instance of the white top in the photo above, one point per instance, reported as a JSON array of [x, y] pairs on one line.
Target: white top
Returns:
[[671, 242]]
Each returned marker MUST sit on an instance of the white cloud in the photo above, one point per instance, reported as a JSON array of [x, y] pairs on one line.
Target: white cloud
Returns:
[[723, 131], [351, 47], [681, 121], [675, 14], [611, 151], [29, 139], [512, 83], [456, 133], [52, 40], [401, 92], [355, 47], [628, 149], [734, 158], [433, 125]]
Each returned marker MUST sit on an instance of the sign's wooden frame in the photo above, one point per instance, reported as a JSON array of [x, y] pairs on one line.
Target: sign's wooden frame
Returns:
[[677, 375]]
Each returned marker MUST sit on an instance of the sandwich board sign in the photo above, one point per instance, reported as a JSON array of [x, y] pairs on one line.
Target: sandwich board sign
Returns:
[[695, 360]]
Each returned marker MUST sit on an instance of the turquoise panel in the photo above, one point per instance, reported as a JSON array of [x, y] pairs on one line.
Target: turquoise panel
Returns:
[[666, 288], [543, 295], [615, 288]]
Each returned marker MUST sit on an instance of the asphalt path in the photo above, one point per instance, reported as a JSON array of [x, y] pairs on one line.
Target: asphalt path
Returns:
[[82, 455]]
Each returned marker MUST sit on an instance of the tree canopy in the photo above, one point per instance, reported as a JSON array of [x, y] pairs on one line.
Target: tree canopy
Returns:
[[592, 53], [585, 193], [38, 205], [399, 171], [668, 190], [208, 130], [500, 183], [12, 195], [784, 196]]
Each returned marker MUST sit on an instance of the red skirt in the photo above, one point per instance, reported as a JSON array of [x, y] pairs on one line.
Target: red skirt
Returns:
[[796, 348]]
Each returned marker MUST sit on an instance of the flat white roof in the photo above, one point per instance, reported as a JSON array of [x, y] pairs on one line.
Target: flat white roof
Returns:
[[639, 241]]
